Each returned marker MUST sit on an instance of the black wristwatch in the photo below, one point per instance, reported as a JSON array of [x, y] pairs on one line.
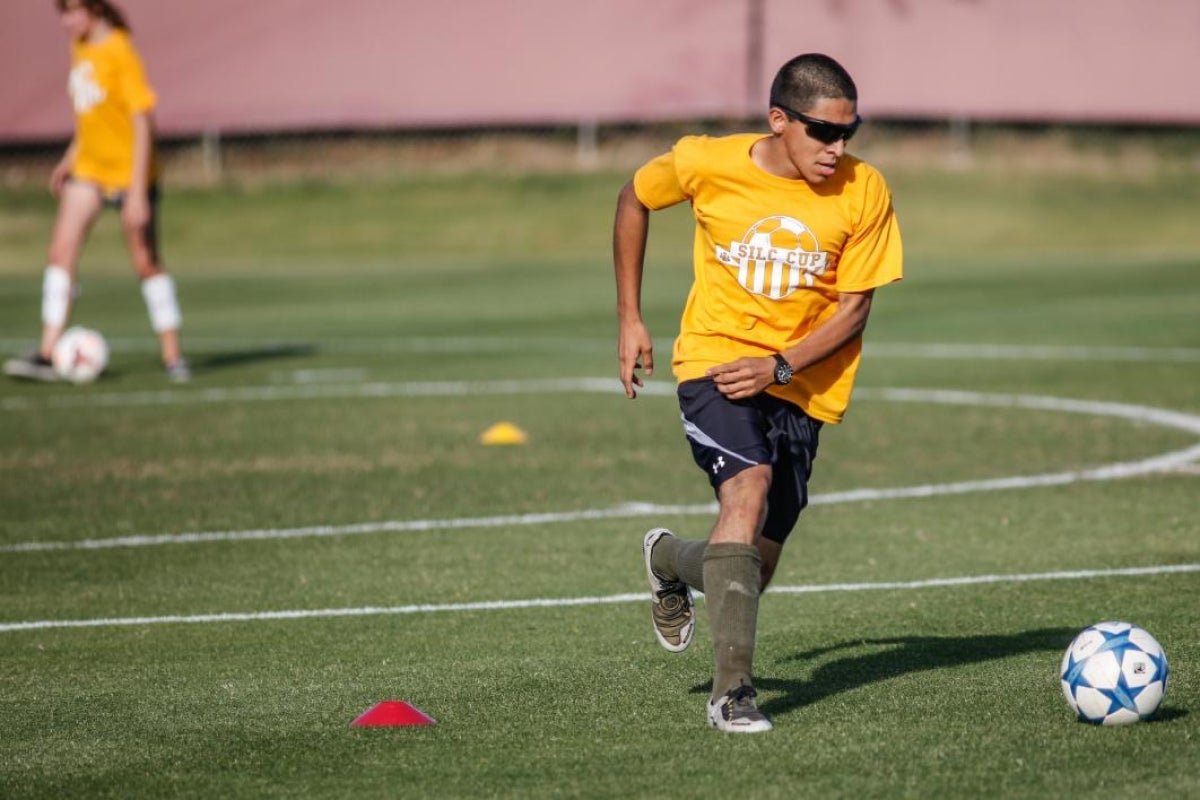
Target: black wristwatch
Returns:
[[783, 370]]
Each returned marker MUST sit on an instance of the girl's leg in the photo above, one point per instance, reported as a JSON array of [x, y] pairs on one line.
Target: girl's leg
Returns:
[[158, 288], [78, 206]]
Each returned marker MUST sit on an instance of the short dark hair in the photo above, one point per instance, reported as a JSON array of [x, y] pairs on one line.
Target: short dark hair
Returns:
[[807, 78]]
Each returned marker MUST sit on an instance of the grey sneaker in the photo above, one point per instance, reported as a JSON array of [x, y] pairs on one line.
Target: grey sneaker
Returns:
[[31, 368], [736, 712], [671, 604], [179, 372]]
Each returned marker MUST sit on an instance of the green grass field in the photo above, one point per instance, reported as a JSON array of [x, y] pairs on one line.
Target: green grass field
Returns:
[[201, 587]]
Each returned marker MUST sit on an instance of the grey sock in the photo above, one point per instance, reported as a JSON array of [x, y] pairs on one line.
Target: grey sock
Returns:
[[680, 559], [732, 575]]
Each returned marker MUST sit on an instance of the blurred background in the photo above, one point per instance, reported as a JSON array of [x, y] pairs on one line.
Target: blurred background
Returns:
[[307, 86]]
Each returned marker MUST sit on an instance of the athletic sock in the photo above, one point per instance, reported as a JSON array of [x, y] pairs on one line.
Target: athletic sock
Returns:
[[732, 575], [680, 559], [56, 296], [161, 302]]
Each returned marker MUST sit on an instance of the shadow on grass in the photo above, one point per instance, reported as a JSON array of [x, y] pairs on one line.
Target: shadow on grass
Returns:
[[1168, 714], [236, 358], [903, 655]]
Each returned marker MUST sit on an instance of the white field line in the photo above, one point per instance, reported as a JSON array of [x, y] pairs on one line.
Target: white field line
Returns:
[[592, 385], [1167, 462], [563, 602], [247, 394], [1170, 461], [502, 344]]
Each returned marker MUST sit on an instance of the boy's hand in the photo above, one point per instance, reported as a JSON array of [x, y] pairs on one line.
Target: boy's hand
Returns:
[[743, 378], [635, 350]]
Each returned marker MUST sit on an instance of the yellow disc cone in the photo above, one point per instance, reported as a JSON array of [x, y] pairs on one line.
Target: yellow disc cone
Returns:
[[503, 433]]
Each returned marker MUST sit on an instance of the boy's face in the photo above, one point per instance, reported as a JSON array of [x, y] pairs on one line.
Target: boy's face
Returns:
[[815, 160]]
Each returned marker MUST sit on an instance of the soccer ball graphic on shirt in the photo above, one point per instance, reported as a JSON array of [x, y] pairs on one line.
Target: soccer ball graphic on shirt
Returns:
[[775, 256], [80, 355], [782, 233], [1114, 673]]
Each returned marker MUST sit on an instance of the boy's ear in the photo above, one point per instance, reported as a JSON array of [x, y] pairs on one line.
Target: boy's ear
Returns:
[[777, 120]]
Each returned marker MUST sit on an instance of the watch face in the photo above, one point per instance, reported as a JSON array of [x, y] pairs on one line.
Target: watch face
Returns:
[[783, 373]]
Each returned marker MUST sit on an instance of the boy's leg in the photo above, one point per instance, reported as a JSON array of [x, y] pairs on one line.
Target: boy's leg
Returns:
[[725, 438], [769, 552], [671, 607], [732, 576], [681, 559]]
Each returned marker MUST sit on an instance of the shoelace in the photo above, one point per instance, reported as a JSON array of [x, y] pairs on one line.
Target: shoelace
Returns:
[[743, 692], [742, 699]]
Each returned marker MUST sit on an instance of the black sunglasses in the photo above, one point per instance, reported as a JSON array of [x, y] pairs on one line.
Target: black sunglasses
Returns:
[[822, 130]]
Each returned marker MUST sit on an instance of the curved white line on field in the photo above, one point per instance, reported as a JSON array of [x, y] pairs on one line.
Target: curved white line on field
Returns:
[[1017, 352], [1136, 413], [1162, 417], [564, 602]]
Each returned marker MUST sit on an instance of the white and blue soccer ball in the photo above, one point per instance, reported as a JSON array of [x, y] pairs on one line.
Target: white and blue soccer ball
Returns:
[[1114, 673], [80, 355]]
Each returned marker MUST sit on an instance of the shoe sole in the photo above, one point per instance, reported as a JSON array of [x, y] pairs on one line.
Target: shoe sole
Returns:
[[759, 726], [29, 372], [648, 543], [756, 727]]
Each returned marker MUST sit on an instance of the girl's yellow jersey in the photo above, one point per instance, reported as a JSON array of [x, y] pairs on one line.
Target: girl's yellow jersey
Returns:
[[108, 87], [771, 256]]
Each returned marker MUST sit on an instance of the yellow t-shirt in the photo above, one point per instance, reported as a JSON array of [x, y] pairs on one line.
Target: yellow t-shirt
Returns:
[[770, 257], [108, 87]]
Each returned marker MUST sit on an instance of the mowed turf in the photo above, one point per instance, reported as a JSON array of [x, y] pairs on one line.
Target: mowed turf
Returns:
[[351, 342]]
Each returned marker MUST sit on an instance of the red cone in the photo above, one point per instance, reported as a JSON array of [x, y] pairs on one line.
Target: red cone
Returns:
[[392, 712]]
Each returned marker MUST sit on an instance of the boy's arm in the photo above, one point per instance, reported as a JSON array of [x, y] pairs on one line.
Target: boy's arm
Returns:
[[747, 377], [635, 348]]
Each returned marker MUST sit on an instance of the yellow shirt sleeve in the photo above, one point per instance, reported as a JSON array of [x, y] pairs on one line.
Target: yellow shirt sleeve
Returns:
[[657, 184], [135, 88], [873, 254]]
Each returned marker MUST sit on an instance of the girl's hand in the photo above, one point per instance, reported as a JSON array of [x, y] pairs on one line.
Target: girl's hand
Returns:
[[59, 176], [135, 211]]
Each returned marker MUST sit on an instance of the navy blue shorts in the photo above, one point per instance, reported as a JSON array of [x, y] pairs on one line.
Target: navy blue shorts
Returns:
[[728, 436]]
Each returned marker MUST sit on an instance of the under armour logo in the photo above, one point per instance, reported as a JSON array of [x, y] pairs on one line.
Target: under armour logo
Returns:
[[720, 462]]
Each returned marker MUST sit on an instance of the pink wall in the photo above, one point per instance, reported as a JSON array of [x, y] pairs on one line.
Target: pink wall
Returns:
[[266, 65], [1112, 60]]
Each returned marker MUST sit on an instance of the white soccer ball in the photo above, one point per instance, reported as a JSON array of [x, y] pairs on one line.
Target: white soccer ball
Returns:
[[80, 355], [1114, 673]]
